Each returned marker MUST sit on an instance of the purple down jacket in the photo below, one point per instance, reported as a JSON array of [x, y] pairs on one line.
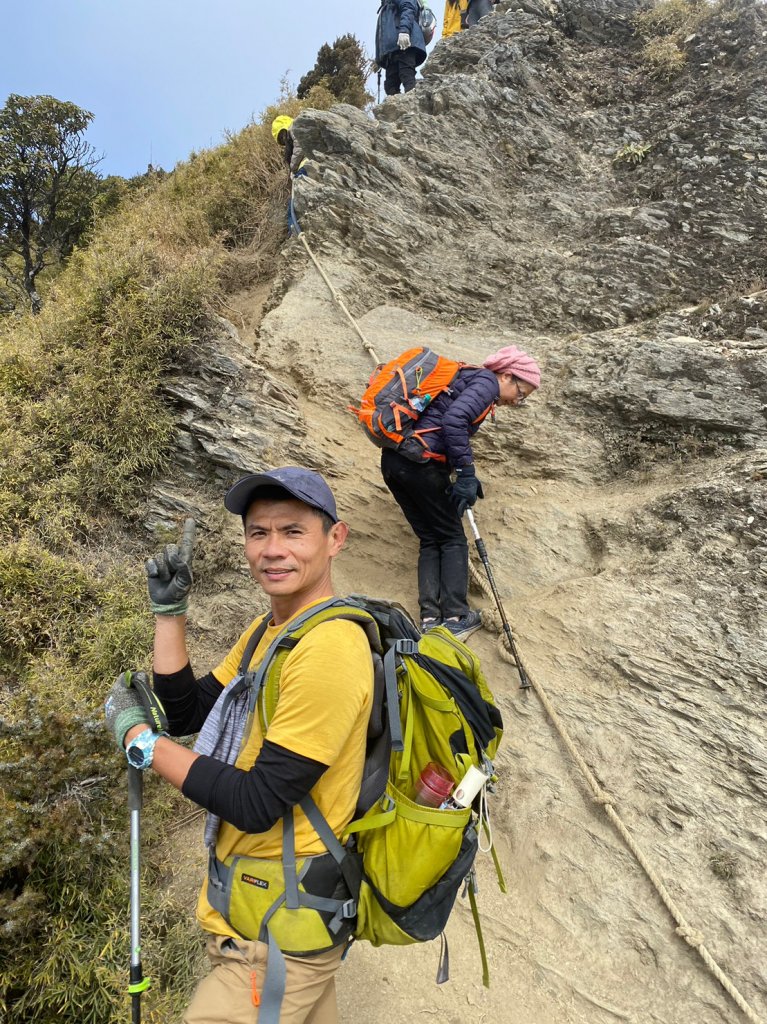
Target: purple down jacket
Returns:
[[453, 414]]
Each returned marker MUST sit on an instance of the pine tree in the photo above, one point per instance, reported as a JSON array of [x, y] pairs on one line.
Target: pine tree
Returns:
[[343, 69]]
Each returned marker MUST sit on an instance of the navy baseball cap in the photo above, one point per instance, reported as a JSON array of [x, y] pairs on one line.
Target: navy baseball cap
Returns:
[[304, 484]]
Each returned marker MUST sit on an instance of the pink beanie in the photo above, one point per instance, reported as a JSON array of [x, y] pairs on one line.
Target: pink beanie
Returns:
[[513, 360]]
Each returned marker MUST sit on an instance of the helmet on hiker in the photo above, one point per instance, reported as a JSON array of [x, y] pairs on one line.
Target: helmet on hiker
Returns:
[[280, 123], [516, 362]]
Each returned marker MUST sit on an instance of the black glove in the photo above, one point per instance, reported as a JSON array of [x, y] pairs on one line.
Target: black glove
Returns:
[[131, 702], [169, 575], [466, 489]]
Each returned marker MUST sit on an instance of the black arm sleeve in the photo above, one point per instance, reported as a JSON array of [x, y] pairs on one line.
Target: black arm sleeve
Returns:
[[253, 800], [187, 701]]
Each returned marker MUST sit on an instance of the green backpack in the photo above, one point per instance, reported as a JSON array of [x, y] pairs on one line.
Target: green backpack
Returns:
[[400, 864]]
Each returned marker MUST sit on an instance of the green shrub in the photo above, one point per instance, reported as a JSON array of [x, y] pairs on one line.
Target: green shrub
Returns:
[[65, 633], [663, 58], [632, 153], [668, 17]]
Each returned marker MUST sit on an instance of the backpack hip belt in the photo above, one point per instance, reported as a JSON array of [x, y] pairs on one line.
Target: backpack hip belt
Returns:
[[303, 907]]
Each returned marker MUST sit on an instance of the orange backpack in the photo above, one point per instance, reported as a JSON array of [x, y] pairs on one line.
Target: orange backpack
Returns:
[[397, 393]]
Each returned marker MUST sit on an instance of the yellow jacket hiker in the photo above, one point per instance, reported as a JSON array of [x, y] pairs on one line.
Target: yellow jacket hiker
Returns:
[[454, 16]]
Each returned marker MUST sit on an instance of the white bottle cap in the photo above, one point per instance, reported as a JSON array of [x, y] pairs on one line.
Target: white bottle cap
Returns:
[[468, 787]]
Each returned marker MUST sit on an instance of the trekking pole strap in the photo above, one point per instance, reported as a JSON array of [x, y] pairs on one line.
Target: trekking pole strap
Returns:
[[473, 525]]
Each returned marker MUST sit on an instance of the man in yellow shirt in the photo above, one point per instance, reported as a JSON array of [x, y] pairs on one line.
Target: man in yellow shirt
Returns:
[[314, 743]]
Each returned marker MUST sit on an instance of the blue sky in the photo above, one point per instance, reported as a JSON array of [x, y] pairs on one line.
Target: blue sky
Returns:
[[165, 77]]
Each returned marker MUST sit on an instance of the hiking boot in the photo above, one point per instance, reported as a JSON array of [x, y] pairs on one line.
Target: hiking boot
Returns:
[[427, 624], [465, 626]]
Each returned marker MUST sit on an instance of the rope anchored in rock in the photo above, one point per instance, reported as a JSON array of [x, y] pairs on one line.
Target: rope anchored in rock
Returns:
[[690, 935], [295, 227]]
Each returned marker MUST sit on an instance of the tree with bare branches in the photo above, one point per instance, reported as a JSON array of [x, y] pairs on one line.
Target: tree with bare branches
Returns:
[[47, 187]]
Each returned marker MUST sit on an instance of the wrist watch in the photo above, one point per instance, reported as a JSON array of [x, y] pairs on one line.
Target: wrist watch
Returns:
[[140, 749]]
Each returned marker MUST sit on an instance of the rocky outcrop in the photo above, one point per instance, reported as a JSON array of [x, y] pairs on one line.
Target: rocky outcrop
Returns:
[[512, 143], [625, 507]]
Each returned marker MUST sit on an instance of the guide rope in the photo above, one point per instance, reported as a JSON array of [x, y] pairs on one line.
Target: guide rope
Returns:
[[691, 936]]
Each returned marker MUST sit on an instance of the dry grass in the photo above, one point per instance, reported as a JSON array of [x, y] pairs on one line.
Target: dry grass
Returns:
[[664, 28]]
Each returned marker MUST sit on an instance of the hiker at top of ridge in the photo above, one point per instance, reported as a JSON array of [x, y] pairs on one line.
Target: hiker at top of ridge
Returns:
[[282, 132], [432, 505], [461, 14], [400, 46], [248, 774]]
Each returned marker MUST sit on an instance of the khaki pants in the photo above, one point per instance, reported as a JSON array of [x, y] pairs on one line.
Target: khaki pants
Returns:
[[225, 996]]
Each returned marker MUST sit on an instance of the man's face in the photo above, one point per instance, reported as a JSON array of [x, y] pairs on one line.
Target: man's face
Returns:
[[288, 551]]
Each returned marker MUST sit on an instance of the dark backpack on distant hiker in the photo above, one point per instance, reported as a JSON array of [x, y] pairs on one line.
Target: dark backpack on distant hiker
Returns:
[[395, 876], [398, 392]]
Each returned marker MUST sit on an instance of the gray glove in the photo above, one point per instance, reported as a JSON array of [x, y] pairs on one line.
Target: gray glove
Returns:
[[169, 575], [403, 40], [132, 701]]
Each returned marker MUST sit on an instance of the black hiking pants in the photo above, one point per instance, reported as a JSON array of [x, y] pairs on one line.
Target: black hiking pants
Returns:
[[420, 490], [400, 71]]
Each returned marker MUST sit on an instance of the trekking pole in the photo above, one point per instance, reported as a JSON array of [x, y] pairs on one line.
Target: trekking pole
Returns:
[[138, 983], [482, 550]]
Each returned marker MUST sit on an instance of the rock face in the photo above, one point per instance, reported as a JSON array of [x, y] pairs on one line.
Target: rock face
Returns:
[[625, 508], [510, 145]]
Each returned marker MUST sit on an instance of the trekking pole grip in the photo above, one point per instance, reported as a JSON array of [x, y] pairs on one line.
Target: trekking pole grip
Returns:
[[474, 529]]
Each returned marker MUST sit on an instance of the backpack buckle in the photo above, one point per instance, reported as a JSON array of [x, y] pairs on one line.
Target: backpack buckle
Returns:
[[406, 646], [349, 910]]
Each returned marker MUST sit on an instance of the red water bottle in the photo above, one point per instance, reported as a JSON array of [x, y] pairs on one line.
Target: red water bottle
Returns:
[[434, 785]]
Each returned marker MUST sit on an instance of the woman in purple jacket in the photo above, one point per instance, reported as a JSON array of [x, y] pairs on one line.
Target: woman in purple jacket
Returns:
[[433, 506]]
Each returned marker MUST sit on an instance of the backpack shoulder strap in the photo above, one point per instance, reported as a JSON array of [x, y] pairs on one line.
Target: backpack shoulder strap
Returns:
[[267, 678], [253, 641]]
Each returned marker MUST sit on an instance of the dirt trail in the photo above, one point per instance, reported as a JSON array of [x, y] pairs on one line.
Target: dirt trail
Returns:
[[580, 936]]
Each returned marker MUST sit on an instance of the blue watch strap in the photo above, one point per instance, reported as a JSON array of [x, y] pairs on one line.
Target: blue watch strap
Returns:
[[140, 750]]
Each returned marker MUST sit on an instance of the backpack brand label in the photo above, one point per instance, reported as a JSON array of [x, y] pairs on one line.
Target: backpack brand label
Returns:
[[260, 883]]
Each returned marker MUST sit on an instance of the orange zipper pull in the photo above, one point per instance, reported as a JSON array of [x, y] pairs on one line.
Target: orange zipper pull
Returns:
[[254, 989]]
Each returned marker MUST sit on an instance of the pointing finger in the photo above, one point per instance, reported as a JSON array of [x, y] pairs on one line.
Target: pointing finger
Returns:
[[186, 547]]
